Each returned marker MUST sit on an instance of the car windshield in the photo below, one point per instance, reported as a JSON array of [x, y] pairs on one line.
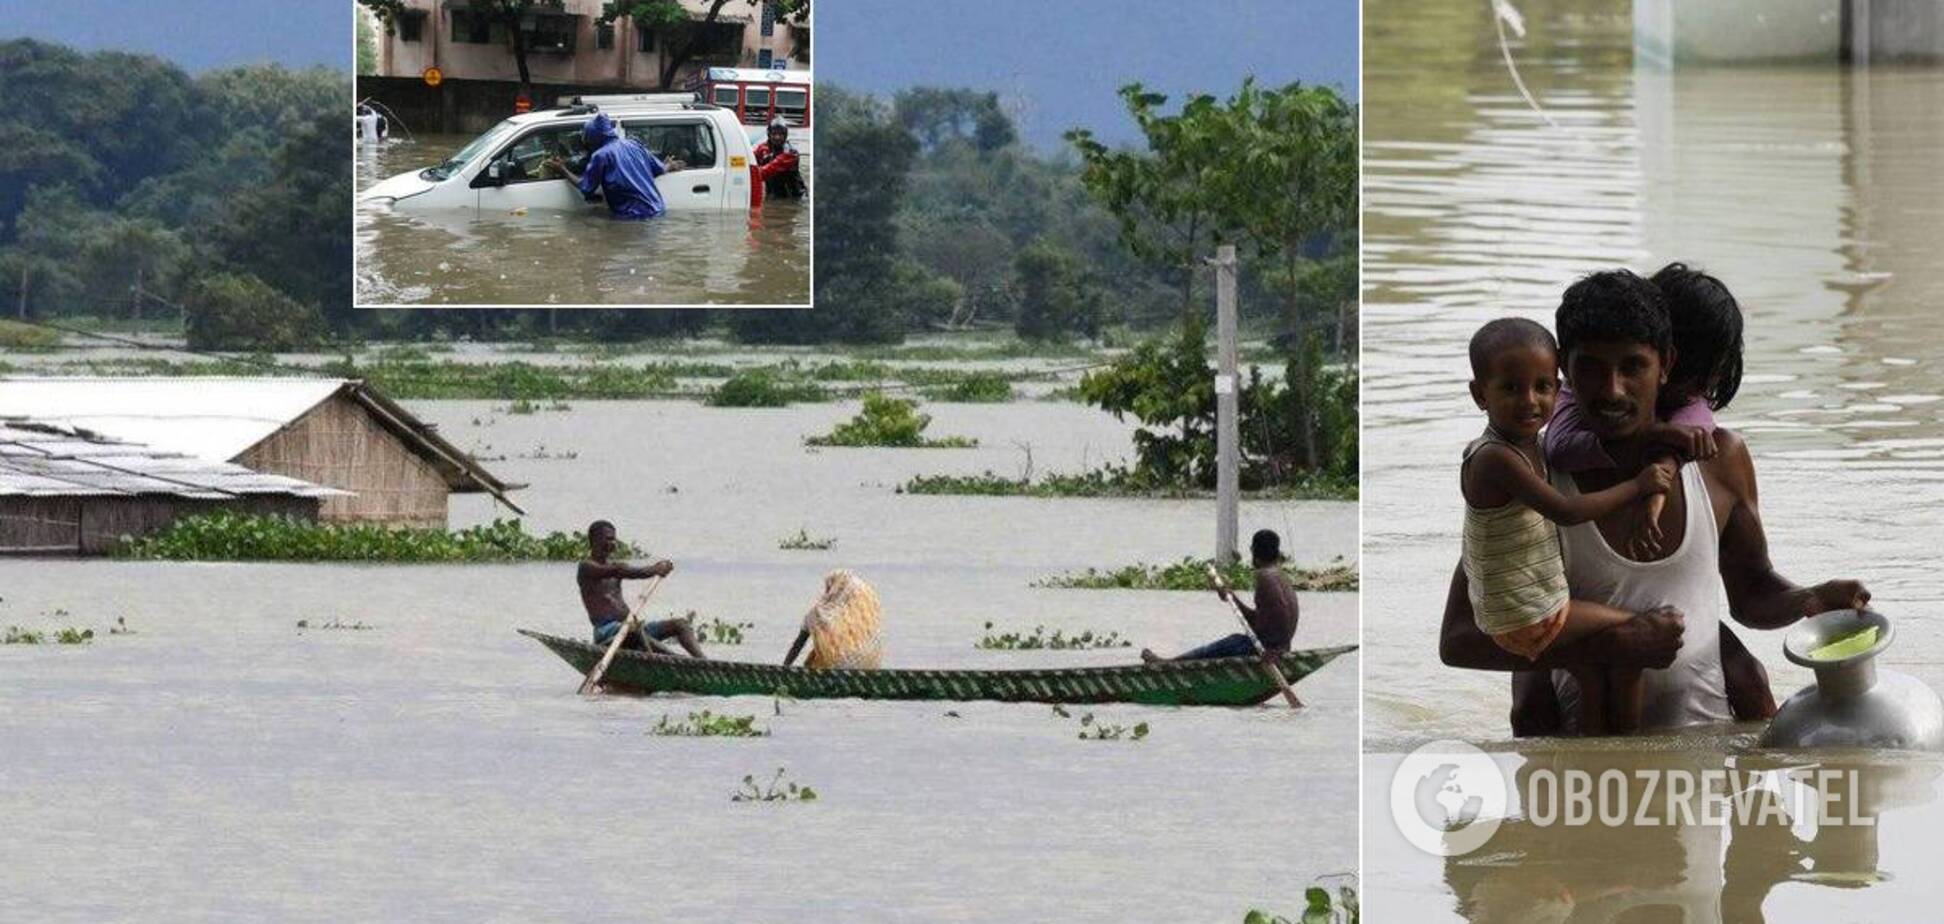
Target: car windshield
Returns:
[[458, 162]]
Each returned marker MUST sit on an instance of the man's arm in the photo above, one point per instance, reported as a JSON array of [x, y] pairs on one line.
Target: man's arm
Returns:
[[1758, 596], [1651, 640], [600, 571]]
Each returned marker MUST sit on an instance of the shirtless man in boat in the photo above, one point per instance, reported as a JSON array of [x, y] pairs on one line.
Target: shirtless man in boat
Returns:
[[600, 589], [1614, 338], [1272, 619]]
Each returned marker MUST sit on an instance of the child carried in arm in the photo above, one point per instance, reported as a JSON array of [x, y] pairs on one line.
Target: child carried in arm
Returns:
[[1512, 558], [1706, 373]]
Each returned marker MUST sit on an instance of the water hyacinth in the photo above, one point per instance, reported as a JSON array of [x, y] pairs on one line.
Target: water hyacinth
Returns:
[[244, 537], [1192, 574]]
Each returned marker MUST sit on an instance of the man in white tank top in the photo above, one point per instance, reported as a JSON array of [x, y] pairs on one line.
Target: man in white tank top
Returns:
[[1713, 560]]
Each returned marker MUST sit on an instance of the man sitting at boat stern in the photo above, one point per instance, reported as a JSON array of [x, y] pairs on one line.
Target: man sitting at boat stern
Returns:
[[1272, 618], [600, 589]]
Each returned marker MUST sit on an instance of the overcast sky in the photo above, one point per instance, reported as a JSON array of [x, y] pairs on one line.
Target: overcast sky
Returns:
[[197, 35], [1063, 62]]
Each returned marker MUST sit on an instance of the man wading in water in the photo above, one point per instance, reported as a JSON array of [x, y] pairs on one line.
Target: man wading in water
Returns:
[[1615, 340], [1272, 619], [620, 171], [600, 590]]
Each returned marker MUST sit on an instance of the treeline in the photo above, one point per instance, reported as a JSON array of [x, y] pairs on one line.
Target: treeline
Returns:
[[129, 188]]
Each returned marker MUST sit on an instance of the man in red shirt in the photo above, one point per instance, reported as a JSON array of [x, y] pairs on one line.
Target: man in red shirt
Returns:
[[776, 164]]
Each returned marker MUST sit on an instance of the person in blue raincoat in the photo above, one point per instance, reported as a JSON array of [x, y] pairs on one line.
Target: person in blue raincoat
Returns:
[[620, 171]]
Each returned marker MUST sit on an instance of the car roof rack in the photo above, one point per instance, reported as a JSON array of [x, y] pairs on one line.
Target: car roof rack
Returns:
[[632, 100]]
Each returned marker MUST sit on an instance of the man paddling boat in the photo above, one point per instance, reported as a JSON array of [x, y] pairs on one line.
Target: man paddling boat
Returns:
[[1272, 618], [600, 589]]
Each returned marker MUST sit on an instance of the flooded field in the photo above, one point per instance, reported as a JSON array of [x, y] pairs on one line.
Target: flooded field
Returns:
[[221, 763], [1813, 193], [568, 258]]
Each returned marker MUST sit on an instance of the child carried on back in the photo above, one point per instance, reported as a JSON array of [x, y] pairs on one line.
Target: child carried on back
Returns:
[[1512, 557]]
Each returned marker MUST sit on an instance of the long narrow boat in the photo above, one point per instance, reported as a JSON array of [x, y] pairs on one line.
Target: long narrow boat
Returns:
[[1215, 682]]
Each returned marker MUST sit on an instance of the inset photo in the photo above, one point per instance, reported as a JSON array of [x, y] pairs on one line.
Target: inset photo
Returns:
[[559, 153]]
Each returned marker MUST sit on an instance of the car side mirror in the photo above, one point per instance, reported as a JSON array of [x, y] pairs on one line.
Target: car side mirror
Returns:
[[493, 175]]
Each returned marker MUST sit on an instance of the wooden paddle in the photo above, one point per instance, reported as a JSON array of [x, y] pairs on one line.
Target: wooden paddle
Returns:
[[631, 624], [1275, 672]]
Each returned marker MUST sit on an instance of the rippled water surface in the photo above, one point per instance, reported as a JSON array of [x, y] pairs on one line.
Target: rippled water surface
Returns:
[[222, 764], [1812, 192], [566, 258]]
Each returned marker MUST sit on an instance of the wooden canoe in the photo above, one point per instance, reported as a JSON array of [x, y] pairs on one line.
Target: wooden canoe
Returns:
[[1214, 682]]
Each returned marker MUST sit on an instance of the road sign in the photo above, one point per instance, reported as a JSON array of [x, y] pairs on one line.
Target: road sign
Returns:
[[433, 76]]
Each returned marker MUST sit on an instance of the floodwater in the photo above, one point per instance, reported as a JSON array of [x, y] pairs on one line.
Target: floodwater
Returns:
[[222, 764], [547, 257], [1812, 192]]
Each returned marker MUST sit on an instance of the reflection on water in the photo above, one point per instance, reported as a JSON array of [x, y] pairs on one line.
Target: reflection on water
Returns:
[[565, 258], [1812, 192], [221, 765], [1742, 838]]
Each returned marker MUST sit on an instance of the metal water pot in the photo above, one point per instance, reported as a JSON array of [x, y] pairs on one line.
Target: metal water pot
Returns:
[[1852, 704]]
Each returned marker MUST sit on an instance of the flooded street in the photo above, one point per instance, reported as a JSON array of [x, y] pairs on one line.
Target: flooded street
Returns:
[[1812, 192], [223, 764], [545, 257]]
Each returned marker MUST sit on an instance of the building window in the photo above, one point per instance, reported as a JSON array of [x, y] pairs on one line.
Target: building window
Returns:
[[769, 18], [644, 38], [410, 24], [554, 33], [604, 36], [719, 42], [473, 28]]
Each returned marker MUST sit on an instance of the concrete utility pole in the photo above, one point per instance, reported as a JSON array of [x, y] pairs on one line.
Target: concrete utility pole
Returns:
[[1227, 450]]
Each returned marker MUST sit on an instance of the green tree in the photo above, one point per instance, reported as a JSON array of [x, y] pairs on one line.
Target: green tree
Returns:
[[1055, 297], [367, 54], [230, 311], [937, 116], [685, 34], [1169, 200], [298, 230]]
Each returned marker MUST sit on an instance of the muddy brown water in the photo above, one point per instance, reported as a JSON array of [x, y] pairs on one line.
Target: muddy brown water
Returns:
[[567, 258], [222, 764], [1813, 193]]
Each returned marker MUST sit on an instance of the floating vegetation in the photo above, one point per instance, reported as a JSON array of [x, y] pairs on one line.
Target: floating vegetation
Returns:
[[334, 624], [804, 541], [16, 635], [541, 452], [1058, 641], [763, 388], [120, 627], [776, 791], [1108, 482], [1320, 907], [1091, 730], [27, 337], [242, 537], [718, 631], [975, 388], [1192, 574], [706, 724], [524, 406], [887, 421]]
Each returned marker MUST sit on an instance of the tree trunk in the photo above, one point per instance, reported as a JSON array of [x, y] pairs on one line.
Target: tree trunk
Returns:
[[519, 53], [26, 273], [135, 295]]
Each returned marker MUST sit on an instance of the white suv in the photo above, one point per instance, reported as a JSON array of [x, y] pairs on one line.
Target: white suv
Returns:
[[505, 171]]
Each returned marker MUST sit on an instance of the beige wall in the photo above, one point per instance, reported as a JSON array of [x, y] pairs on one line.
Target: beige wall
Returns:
[[339, 444], [620, 65]]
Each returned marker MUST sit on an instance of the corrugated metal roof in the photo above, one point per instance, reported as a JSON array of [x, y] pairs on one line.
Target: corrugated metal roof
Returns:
[[209, 418], [40, 459], [218, 418]]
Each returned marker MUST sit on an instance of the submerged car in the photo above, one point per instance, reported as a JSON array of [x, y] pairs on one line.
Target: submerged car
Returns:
[[507, 169]]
